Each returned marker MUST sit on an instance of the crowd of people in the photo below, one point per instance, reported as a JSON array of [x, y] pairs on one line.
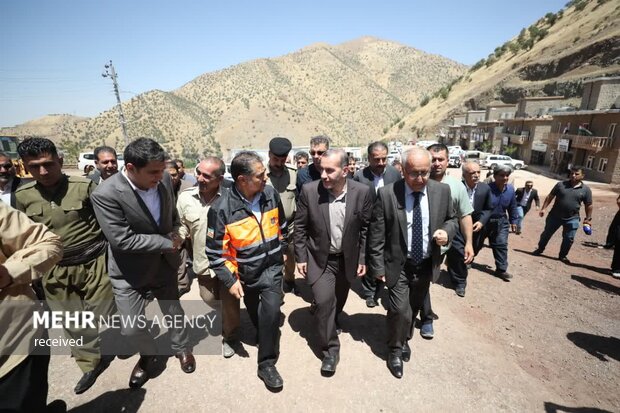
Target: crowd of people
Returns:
[[113, 241]]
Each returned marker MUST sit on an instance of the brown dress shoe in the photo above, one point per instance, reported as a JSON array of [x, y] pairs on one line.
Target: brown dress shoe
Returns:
[[188, 362], [140, 375]]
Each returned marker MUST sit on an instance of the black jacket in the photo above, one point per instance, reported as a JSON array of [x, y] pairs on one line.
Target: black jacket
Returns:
[[519, 193]]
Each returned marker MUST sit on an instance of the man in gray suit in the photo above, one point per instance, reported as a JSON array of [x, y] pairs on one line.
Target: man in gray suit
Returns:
[[411, 219], [137, 213], [331, 224], [377, 175]]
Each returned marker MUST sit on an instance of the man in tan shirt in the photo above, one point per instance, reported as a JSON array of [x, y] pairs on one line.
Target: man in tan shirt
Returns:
[[193, 206], [27, 251]]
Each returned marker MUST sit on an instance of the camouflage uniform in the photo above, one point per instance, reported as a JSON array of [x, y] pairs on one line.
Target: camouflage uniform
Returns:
[[79, 282], [285, 187]]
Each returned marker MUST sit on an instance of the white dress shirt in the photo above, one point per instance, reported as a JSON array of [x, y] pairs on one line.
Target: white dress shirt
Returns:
[[150, 198], [425, 219]]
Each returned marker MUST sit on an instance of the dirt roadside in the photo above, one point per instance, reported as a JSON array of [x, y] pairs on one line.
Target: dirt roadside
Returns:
[[546, 341]]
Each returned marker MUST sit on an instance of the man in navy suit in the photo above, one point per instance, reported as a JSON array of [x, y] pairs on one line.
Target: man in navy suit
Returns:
[[377, 175], [480, 198]]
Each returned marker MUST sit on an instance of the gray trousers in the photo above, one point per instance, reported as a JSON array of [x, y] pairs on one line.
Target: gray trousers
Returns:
[[131, 302], [330, 293]]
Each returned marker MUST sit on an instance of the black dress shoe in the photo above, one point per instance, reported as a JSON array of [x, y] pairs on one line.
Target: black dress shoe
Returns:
[[188, 362], [329, 364], [406, 352], [270, 376], [395, 365], [89, 378], [139, 374], [460, 291], [57, 406], [371, 302]]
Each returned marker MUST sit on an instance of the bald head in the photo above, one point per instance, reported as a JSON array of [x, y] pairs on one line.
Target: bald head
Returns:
[[417, 163]]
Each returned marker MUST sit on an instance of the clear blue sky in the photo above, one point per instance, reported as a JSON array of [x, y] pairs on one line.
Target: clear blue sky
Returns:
[[53, 51]]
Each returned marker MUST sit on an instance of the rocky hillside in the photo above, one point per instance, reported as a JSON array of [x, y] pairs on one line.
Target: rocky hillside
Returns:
[[551, 57], [353, 92]]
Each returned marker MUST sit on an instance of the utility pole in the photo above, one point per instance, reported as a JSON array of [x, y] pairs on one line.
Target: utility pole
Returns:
[[109, 72]]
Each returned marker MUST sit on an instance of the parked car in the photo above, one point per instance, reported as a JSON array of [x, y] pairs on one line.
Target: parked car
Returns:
[[475, 156], [492, 161], [454, 161], [86, 162]]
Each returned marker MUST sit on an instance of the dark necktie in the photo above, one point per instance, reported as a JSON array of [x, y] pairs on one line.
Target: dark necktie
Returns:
[[417, 252]]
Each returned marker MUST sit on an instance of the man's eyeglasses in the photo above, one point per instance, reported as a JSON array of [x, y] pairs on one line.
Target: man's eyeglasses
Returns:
[[418, 174], [317, 153], [7, 165]]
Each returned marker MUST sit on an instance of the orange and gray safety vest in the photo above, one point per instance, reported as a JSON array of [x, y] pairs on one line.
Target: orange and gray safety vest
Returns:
[[239, 246]]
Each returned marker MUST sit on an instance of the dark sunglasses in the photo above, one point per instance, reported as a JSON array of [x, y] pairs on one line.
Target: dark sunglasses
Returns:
[[319, 153]]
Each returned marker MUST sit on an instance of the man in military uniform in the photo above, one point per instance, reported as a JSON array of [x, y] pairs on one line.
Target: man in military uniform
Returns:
[[283, 178], [79, 282]]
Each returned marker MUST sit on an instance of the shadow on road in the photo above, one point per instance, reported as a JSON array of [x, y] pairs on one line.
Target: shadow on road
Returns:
[[597, 346], [557, 408], [571, 264], [124, 400], [370, 329], [596, 284], [302, 322]]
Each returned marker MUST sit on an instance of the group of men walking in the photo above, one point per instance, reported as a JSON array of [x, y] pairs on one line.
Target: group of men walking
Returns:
[[122, 233]]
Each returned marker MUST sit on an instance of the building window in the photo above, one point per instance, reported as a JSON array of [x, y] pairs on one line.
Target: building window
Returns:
[[602, 165], [611, 131], [590, 162]]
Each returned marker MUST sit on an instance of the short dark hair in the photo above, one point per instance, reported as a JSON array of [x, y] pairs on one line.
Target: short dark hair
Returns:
[[578, 168], [376, 145], [242, 163], [173, 165], [344, 157], [529, 182], [302, 154], [142, 151], [33, 147], [222, 166], [438, 147], [104, 149], [179, 161], [318, 140]]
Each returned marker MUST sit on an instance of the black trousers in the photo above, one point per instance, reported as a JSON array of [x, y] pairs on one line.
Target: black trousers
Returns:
[[371, 286], [455, 260], [405, 301], [24, 389], [263, 304], [330, 293]]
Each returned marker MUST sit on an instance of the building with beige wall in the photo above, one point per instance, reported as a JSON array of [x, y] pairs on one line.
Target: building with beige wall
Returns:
[[589, 136]]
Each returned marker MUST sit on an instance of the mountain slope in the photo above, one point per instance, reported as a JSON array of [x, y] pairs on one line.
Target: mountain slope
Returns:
[[581, 42], [351, 92]]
